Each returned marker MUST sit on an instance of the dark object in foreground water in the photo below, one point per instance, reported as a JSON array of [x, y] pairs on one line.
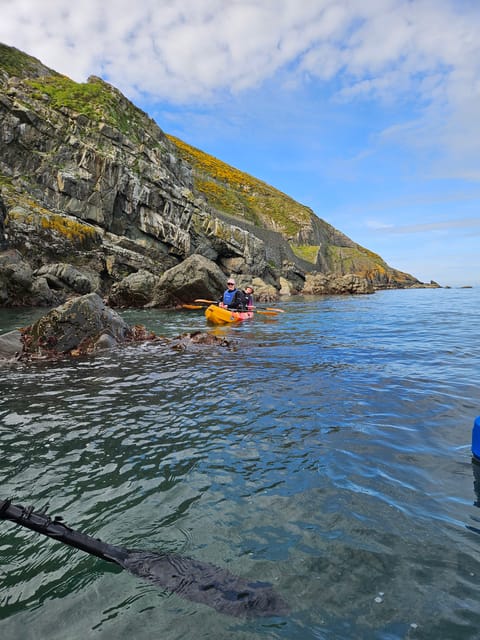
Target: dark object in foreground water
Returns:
[[190, 578], [476, 439]]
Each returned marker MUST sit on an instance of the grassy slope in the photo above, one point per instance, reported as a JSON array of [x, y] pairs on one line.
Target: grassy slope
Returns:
[[239, 194]]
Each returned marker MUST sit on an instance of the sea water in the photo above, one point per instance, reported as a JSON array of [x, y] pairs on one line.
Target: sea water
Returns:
[[325, 450]]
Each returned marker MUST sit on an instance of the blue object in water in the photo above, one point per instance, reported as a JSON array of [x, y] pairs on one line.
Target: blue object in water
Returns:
[[476, 439]]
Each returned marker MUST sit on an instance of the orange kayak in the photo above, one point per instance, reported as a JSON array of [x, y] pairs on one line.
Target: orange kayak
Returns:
[[217, 315]]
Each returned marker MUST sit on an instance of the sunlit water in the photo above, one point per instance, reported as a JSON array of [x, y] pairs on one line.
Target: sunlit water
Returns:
[[328, 453]]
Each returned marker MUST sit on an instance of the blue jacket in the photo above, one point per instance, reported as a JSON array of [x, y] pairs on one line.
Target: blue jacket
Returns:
[[229, 297]]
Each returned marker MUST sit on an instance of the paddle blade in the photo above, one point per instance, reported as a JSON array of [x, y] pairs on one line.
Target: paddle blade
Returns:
[[206, 301], [189, 578], [205, 583], [192, 306]]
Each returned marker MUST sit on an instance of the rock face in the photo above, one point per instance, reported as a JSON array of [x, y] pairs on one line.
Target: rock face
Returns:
[[94, 197], [320, 284]]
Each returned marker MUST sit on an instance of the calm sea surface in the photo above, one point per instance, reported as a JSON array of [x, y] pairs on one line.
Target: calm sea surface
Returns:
[[327, 454]]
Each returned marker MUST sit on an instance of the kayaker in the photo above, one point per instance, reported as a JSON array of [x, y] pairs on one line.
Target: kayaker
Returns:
[[229, 295], [237, 299], [249, 297]]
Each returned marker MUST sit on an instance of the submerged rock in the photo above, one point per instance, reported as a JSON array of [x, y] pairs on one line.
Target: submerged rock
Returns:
[[200, 338]]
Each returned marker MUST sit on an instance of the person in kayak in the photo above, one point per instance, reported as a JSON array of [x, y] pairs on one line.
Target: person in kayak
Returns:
[[248, 293], [230, 294], [233, 298]]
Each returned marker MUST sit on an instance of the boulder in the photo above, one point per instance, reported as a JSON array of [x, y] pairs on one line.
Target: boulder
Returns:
[[322, 284], [62, 275], [264, 292], [286, 288], [42, 296], [16, 277], [21, 286], [75, 326], [135, 290], [195, 277]]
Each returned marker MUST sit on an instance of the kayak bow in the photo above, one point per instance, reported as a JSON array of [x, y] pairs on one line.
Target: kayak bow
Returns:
[[217, 315]]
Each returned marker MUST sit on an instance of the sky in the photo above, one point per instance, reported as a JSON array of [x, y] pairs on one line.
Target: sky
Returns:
[[367, 111]]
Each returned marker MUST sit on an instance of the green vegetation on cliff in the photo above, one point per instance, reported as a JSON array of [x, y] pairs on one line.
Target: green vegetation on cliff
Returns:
[[239, 194], [25, 210], [307, 252], [95, 99], [90, 99], [19, 64]]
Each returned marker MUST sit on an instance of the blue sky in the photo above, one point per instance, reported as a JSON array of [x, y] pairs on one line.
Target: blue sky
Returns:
[[365, 111]]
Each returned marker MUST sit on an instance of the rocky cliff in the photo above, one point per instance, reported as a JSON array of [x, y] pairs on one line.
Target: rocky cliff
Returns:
[[95, 197]]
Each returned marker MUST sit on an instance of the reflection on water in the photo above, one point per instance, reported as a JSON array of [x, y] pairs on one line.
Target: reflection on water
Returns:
[[326, 454]]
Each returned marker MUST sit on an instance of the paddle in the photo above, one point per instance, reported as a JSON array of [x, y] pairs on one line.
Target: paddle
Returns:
[[192, 306], [266, 313], [189, 578], [269, 311]]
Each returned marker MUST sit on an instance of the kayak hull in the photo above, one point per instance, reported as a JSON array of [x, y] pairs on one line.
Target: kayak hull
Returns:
[[216, 315]]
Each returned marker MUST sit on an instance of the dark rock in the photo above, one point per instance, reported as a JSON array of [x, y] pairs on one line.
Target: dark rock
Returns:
[[62, 275], [83, 326], [77, 325], [135, 290], [41, 295], [16, 277], [195, 277], [3, 213], [104, 341], [180, 343], [322, 284]]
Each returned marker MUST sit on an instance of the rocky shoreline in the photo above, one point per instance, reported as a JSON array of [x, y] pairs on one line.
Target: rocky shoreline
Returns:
[[196, 277]]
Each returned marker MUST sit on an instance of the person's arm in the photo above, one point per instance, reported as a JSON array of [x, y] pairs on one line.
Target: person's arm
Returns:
[[240, 300]]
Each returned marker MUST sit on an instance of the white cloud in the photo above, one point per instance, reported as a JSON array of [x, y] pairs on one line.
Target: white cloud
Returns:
[[181, 51], [184, 49], [470, 224]]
